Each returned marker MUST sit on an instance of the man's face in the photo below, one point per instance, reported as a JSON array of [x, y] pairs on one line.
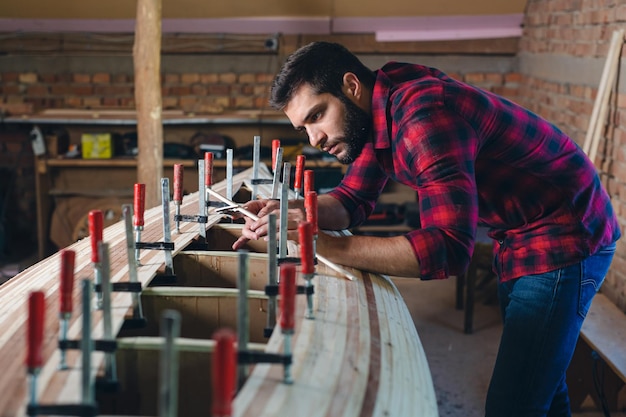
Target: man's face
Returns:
[[335, 125]]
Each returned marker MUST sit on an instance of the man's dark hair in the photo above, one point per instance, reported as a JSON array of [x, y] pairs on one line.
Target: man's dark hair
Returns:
[[322, 65]]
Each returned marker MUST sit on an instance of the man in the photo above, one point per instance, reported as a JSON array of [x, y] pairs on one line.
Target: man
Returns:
[[474, 159]]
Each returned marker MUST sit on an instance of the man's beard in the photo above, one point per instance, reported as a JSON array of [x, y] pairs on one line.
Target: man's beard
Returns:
[[356, 130]]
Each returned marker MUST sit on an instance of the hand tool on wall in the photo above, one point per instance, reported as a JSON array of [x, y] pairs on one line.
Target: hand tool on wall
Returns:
[[96, 224], [66, 289], [168, 364], [224, 373], [139, 202], [249, 214], [287, 311], [297, 181], [307, 262]]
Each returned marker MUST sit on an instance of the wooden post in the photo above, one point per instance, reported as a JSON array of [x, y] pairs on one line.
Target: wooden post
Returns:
[[147, 63]]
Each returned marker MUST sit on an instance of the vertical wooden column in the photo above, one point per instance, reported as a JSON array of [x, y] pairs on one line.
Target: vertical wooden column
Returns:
[[147, 63]]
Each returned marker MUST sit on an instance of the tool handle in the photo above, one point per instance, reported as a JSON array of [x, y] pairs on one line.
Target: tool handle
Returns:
[[224, 372], [36, 310], [178, 183], [287, 287], [310, 207], [67, 280], [275, 146], [96, 224], [208, 169], [139, 204], [309, 180], [297, 181], [305, 233]]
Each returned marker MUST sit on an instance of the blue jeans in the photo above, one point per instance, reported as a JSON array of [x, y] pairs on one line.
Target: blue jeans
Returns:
[[542, 317]]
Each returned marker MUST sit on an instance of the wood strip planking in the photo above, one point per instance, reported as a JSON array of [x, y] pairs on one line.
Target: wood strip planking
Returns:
[[360, 355]]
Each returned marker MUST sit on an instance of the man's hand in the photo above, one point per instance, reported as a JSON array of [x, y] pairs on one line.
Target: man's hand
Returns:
[[257, 229]]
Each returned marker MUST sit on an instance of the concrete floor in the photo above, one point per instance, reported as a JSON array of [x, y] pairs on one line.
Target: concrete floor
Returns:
[[460, 363]]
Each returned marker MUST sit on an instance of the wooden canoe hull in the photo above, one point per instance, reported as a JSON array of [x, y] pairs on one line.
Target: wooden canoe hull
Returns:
[[359, 356]]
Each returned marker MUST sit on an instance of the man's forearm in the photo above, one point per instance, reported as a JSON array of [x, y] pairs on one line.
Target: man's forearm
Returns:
[[384, 255], [331, 214]]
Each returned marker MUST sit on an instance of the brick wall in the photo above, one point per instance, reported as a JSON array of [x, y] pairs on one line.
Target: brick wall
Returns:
[[192, 93], [580, 31]]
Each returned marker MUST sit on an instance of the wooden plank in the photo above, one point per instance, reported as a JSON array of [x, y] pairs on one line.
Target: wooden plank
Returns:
[[604, 329]]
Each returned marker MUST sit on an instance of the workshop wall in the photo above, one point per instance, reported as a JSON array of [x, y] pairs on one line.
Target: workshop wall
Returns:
[[562, 53]]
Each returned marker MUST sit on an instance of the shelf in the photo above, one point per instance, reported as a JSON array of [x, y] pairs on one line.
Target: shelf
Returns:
[[121, 117]]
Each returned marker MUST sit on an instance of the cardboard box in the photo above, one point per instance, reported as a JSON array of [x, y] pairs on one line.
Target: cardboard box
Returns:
[[97, 145]]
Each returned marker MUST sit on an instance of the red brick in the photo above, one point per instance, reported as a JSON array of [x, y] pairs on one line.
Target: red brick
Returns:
[[171, 79], [247, 78], [101, 78], [209, 78], [189, 78], [219, 89], [48, 78], [81, 90], [228, 78], [92, 102], [37, 90], [121, 79], [28, 78], [81, 78]]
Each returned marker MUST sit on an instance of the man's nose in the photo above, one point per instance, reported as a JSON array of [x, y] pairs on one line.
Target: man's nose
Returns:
[[315, 137]]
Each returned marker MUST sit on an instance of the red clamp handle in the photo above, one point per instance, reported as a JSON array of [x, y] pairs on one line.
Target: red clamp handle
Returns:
[[305, 233], [224, 373], [208, 169], [96, 224], [67, 280], [34, 337], [178, 183], [287, 289], [139, 204], [310, 207], [309, 181], [297, 181], [275, 146]]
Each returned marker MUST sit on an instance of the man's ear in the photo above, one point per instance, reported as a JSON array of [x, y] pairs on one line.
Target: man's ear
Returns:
[[352, 85]]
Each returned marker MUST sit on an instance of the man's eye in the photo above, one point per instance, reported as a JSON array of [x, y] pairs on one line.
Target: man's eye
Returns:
[[316, 116]]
